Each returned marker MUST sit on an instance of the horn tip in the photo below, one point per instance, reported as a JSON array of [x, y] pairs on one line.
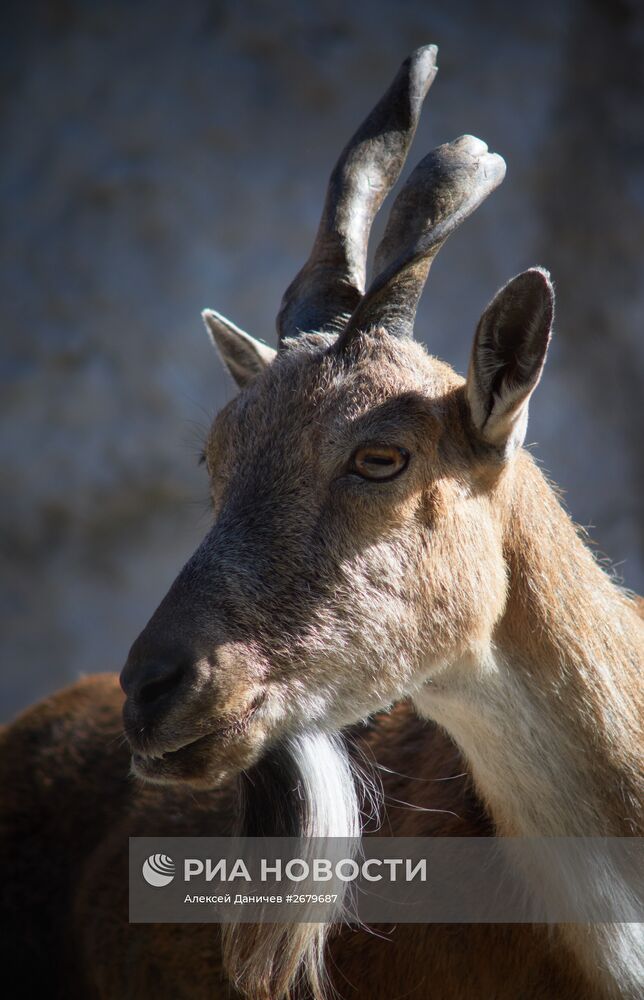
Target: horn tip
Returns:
[[422, 66], [425, 53], [495, 167]]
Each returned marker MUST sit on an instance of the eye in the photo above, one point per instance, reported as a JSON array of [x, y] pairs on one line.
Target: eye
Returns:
[[379, 461]]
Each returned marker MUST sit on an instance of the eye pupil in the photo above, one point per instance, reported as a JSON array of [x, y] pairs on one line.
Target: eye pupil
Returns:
[[379, 462]]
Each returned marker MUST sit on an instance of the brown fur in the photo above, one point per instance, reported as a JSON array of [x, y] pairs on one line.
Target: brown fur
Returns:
[[69, 806], [405, 585]]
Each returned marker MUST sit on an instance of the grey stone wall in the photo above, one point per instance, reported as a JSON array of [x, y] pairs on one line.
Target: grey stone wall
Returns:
[[161, 157]]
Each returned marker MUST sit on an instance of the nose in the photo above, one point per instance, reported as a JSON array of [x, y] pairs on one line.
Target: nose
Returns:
[[148, 683], [158, 690], [164, 684], [158, 678]]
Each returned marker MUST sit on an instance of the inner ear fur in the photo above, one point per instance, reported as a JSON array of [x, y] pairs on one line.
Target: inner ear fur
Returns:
[[243, 355], [507, 358]]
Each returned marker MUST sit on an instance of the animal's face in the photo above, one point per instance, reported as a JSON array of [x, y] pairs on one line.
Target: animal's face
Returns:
[[356, 549], [351, 522], [356, 546]]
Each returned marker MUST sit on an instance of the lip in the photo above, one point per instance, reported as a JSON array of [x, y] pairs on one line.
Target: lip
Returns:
[[197, 763], [148, 761], [139, 758], [201, 762]]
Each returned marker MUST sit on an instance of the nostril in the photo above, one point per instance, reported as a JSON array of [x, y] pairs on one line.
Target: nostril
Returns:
[[154, 688], [146, 683]]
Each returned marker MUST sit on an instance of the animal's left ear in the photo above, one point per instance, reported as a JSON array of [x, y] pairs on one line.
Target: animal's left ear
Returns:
[[243, 356], [508, 357]]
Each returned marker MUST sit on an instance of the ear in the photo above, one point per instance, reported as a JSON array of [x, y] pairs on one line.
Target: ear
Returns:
[[243, 356], [508, 357]]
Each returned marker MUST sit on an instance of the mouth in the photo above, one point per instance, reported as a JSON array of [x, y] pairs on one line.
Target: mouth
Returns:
[[205, 762], [190, 762]]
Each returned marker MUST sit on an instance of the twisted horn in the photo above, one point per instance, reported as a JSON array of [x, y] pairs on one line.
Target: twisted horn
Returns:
[[446, 187], [325, 292]]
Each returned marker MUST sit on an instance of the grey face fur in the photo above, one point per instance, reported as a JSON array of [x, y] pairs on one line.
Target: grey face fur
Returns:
[[355, 550]]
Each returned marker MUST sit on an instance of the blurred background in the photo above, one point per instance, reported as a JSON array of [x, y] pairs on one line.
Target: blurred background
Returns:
[[159, 157]]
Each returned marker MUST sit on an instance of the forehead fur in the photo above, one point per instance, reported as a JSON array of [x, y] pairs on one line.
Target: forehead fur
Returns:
[[309, 381]]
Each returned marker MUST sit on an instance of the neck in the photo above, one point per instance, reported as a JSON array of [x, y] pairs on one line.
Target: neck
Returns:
[[548, 709], [546, 712]]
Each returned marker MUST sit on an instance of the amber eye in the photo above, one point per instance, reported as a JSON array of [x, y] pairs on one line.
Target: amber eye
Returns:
[[379, 461]]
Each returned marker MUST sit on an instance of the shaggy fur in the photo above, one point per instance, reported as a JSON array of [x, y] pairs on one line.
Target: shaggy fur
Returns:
[[304, 788], [68, 806]]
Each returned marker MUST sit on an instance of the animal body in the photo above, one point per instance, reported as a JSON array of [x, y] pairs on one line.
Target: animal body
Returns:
[[379, 538]]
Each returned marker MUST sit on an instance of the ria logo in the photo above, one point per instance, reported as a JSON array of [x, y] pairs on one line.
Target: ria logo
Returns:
[[158, 870]]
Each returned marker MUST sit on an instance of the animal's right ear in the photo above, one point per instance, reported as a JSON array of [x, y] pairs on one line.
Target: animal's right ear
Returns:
[[243, 356]]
